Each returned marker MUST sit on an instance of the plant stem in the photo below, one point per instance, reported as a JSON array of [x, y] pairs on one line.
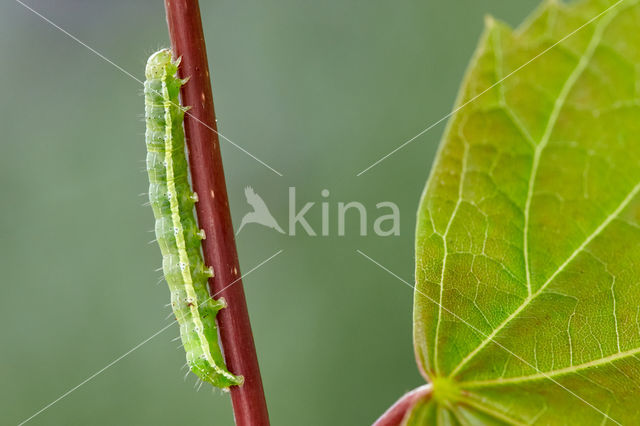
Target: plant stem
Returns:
[[397, 412], [207, 176]]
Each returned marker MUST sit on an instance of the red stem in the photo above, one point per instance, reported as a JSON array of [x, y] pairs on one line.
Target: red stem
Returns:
[[397, 412], [207, 175]]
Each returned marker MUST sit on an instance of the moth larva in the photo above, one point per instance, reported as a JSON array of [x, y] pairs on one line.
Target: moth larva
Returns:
[[177, 234]]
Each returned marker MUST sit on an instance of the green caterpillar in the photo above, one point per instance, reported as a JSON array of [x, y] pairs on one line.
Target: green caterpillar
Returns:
[[178, 236]]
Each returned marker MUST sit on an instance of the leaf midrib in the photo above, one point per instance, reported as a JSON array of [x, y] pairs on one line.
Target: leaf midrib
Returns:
[[559, 104], [553, 373]]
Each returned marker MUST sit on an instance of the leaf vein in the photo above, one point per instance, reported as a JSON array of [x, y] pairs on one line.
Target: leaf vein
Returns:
[[444, 259], [559, 372]]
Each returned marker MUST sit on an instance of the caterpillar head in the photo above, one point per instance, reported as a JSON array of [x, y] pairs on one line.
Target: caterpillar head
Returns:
[[158, 62]]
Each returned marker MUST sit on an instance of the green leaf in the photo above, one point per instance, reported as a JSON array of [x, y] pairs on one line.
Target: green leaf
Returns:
[[527, 302]]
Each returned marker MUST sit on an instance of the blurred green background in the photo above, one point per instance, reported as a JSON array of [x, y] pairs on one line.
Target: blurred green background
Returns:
[[319, 91]]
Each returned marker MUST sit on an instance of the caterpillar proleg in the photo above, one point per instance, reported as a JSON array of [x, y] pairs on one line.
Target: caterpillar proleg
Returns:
[[176, 230]]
